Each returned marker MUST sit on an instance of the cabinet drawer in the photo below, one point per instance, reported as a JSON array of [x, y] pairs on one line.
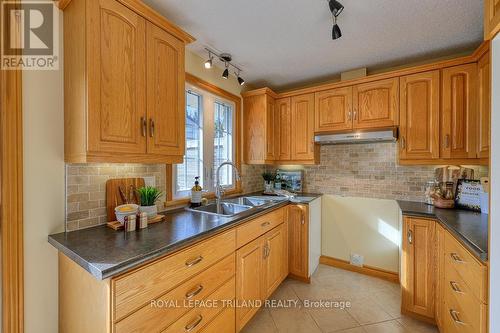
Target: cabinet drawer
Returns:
[[223, 323], [169, 307], [457, 293], [200, 316], [473, 273], [253, 229], [457, 318], [139, 287]]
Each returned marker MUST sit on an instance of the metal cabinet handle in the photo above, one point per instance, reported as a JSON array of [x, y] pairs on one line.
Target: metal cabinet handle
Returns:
[[193, 262], [456, 258], [194, 292], [265, 251], [455, 287], [265, 224], [410, 236], [303, 216], [143, 126], [403, 142], [355, 115], [193, 324], [349, 115], [454, 315], [447, 141], [151, 127]]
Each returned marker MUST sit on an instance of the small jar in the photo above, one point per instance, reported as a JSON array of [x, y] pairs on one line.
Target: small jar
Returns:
[[130, 222], [143, 220], [430, 188]]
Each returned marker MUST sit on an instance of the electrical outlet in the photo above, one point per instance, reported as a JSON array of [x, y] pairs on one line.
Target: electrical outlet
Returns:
[[357, 259], [149, 181]]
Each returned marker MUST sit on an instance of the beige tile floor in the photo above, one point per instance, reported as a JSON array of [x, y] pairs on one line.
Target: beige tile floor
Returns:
[[375, 307]]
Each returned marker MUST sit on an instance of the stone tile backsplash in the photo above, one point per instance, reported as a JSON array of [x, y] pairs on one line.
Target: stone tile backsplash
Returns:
[[86, 188], [371, 171]]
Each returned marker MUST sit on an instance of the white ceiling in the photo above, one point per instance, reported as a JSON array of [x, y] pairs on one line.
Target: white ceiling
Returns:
[[284, 43]]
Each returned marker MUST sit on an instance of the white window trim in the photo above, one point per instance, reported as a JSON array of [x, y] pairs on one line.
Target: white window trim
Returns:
[[208, 100]]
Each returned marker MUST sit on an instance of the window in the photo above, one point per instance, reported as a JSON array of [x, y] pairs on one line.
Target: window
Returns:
[[210, 140]]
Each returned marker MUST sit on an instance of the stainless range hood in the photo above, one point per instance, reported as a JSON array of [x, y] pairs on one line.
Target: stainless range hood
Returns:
[[388, 135]]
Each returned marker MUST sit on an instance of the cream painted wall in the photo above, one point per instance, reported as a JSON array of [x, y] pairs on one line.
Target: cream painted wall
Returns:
[[43, 194], [369, 227]]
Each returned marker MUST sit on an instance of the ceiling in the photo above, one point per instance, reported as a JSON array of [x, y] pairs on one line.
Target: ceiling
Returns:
[[286, 43]]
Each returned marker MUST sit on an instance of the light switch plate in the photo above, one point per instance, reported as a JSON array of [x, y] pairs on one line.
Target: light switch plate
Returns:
[[149, 181], [357, 260]]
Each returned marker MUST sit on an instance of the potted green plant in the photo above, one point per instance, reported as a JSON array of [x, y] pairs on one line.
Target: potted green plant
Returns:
[[148, 196], [268, 181]]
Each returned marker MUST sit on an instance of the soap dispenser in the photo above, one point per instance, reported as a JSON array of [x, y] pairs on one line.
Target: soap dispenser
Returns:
[[196, 193]]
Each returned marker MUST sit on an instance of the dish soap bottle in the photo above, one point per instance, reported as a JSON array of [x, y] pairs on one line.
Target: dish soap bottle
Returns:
[[196, 193]]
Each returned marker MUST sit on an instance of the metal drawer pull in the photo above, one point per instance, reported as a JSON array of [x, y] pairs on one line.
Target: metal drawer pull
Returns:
[[456, 258], [455, 287], [151, 127], [193, 262], [194, 292], [196, 322], [265, 224], [455, 317], [144, 125]]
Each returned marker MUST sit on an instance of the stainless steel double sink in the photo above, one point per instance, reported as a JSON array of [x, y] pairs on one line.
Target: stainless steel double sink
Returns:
[[235, 206]]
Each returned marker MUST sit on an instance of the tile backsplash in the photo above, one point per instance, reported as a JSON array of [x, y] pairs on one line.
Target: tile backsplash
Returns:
[[369, 170], [86, 188]]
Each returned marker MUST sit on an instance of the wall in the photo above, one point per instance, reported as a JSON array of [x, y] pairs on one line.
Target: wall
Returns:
[[43, 194], [365, 226], [494, 250]]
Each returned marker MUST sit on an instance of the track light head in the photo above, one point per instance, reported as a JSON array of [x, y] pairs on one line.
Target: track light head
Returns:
[[335, 7], [240, 80], [225, 74], [208, 63], [336, 33]]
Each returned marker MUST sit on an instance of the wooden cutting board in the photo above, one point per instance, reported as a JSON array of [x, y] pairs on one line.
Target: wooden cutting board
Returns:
[[127, 194]]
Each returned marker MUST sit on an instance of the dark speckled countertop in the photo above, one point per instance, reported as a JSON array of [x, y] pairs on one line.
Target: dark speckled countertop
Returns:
[[469, 227], [104, 252]]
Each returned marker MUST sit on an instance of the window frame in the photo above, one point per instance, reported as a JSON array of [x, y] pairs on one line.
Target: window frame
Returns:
[[220, 96]]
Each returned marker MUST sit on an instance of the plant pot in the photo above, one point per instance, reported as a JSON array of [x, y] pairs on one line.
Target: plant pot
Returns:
[[152, 211], [268, 187]]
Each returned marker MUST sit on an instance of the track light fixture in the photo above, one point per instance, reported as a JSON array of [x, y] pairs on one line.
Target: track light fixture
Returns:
[[209, 62], [226, 59], [336, 8]]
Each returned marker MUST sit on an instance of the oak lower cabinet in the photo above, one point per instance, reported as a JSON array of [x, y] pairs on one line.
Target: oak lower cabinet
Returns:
[[298, 225], [122, 104], [441, 280], [259, 126], [418, 264]]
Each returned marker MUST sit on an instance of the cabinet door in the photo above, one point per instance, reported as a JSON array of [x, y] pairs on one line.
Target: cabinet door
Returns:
[[440, 288], [282, 130], [254, 130], [298, 241], [274, 250], [376, 104], [333, 110], [418, 265], [249, 280], [484, 94], [270, 128], [419, 112], [165, 93], [116, 76], [491, 18], [302, 125], [458, 112]]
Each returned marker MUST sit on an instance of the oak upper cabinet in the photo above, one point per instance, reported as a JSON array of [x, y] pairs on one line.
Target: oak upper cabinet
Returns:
[[275, 258], [491, 18], [298, 242], [419, 112], [376, 104], [333, 110], [302, 129], [484, 106], [283, 140], [165, 92], [459, 112], [124, 79], [259, 119], [418, 267]]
